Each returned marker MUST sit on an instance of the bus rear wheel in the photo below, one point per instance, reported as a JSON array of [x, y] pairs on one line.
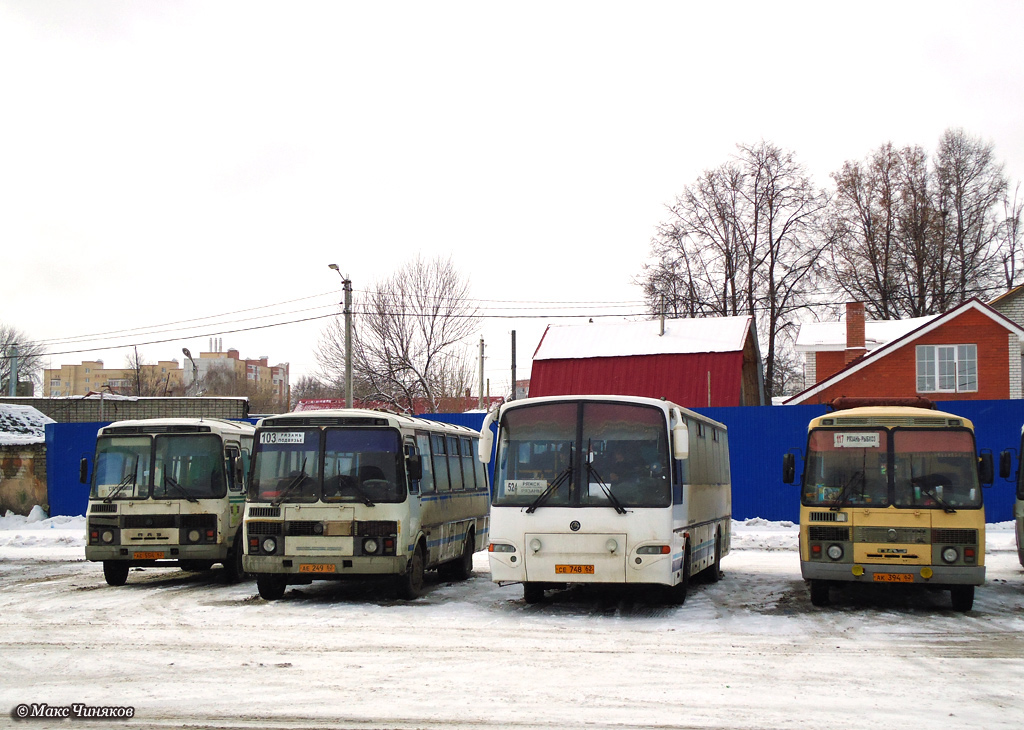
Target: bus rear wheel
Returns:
[[271, 587], [462, 567], [819, 592], [115, 572], [714, 571], [533, 592], [963, 598]]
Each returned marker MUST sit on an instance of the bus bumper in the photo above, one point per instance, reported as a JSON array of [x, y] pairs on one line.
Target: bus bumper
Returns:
[[153, 555], [325, 567], [941, 574]]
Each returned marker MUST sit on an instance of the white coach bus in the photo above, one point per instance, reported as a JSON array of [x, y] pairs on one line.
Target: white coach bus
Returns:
[[354, 493], [607, 489], [1005, 470], [167, 492]]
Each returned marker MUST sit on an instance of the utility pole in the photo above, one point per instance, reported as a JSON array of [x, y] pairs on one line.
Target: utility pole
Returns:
[[12, 381], [513, 365], [480, 400], [347, 285]]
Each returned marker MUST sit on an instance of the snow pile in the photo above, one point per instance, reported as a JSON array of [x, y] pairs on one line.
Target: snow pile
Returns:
[[22, 425], [38, 537]]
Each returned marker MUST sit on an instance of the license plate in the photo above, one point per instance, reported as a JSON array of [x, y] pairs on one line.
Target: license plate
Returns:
[[893, 578], [575, 569], [317, 568], [147, 556]]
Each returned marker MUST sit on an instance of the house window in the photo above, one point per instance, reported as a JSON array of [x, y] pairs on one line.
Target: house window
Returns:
[[947, 368]]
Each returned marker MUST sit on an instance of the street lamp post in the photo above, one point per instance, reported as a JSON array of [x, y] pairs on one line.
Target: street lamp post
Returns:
[[195, 369], [347, 285]]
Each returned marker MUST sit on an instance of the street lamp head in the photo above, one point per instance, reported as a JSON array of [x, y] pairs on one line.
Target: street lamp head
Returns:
[[186, 353], [334, 266]]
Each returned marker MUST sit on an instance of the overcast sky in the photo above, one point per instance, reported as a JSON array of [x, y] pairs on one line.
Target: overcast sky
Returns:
[[165, 162]]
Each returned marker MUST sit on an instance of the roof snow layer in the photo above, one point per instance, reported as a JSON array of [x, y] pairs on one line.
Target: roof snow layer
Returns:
[[622, 339]]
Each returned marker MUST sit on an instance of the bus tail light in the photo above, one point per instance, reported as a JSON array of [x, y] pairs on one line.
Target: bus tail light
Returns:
[[815, 551], [654, 550], [969, 555], [500, 547]]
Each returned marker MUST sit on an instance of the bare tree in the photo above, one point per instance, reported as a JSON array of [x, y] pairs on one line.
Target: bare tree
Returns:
[[409, 338], [1011, 243], [745, 238], [310, 386], [30, 356], [222, 379], [143, 378]]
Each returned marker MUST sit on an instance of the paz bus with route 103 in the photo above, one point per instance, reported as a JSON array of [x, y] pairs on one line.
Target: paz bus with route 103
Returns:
[[352, 493], [607, 489], [167, 492], [891, 493]]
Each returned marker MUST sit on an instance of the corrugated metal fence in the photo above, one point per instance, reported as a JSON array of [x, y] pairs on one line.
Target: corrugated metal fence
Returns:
[[758, 437]]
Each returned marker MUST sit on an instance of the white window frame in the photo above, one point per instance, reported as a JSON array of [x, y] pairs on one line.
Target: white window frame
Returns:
[[947, 368]]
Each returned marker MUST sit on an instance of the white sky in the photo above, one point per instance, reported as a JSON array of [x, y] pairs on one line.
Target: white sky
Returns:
[[162, 162]]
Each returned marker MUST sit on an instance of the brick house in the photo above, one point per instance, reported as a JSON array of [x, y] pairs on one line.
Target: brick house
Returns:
[[971, 352]]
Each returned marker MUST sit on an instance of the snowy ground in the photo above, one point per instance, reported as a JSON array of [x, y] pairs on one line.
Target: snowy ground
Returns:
[[184, 649]]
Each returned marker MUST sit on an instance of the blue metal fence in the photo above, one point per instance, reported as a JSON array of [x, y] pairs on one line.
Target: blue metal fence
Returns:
[[758, 437]]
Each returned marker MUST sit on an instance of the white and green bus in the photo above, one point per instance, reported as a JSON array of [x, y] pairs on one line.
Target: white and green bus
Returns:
[[167, 492], [352, 493]]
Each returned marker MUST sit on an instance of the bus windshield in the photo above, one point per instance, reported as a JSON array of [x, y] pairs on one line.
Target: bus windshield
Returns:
[[188, 467], [583, 455], [286, 466], [122, 468], [934, 468], [363, 465]]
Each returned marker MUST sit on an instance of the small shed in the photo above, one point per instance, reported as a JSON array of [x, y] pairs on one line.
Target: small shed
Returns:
[[696, 363]]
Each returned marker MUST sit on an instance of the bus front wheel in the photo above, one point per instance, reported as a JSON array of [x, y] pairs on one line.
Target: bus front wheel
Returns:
[[271, 587], [410, 585], [115, 572], [233, 570], [819, 592], [963, 598]]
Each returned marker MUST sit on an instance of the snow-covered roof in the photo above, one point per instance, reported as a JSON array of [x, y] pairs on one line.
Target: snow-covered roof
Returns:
[[621, 339], [22, 425], [820, 336]]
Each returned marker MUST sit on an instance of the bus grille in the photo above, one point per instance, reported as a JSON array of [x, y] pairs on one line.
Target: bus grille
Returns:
[[905, 535], [955, 536], [892, 421], [824, 517], [377, 528], [103, 508], [298, 529], [264, 528], [264, 511], [836, 534], [144, 521], [200, 521]]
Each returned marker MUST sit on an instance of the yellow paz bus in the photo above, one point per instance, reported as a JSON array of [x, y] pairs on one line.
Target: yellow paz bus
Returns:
[[891, 493]]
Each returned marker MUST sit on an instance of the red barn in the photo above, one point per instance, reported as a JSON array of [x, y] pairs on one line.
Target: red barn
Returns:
[[696, 363]]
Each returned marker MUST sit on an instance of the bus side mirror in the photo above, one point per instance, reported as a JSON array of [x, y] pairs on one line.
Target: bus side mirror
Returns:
[[1005, 464], [83, 471], [986, 471], [239, 475], [680, 436], [486, 438], [414, 465], [788, 468]]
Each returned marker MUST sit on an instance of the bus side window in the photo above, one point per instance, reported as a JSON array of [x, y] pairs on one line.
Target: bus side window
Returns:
[[479, 467], [454, 463], [427, 480], [231, 457], [468, 472], [440, 463]]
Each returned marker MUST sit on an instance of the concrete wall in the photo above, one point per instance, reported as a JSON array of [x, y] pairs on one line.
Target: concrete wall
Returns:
[[92, 410]]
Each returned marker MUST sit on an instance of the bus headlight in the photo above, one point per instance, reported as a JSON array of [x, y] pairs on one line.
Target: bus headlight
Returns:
[[950, 554], [269, 545], [193, 535], [107, 536], [835, 552], [370, 546]]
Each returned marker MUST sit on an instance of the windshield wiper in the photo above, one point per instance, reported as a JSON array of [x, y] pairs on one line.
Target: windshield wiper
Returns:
[[565, 474], [174, 483], [592, 472], [299, 478], [841, 497], [366, 498], [128, 479]]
